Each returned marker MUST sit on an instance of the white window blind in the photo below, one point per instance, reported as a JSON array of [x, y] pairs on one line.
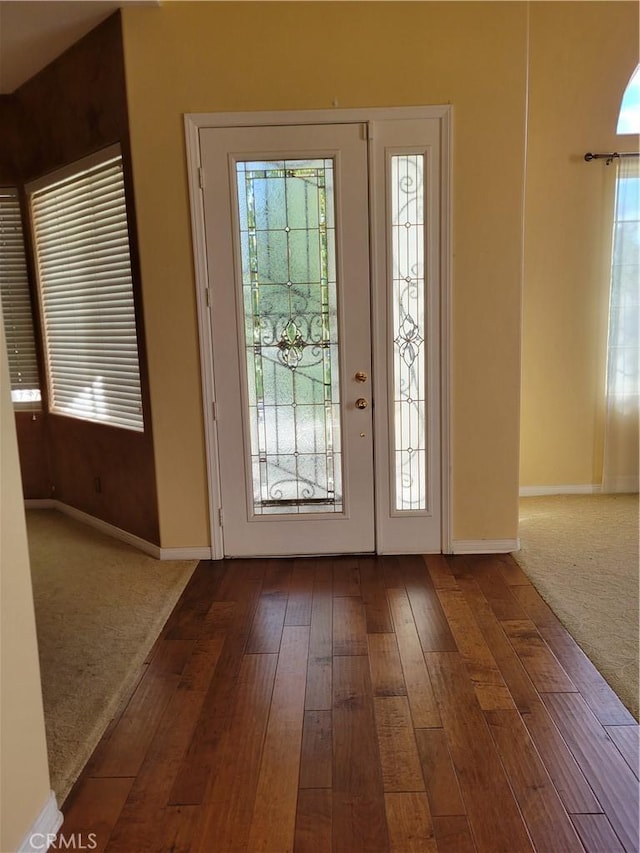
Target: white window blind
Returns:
[[16, 304], [86, 291]]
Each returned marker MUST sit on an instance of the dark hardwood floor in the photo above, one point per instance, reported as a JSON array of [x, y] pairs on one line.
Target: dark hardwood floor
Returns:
[[363, 704]]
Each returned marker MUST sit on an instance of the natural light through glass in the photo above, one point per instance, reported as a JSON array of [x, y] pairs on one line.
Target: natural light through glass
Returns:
[[623, 376], [16, 304], [629, 118], [287, 239], [409, 365]]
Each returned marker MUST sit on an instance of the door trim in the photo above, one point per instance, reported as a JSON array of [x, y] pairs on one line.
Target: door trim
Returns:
[[193, 123]]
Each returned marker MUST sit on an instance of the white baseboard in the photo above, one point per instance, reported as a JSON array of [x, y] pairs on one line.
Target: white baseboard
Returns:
[[539, 491], [621, 485], [485, 546], [45, 828], [199, 553]]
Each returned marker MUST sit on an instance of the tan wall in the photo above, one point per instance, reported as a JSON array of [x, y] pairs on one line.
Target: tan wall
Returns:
[[582, 55], [24, 772], [199, 57]]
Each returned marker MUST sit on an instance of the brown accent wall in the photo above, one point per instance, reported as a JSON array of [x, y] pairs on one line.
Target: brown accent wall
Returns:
[[34, 454], [104, 471], [76, 106], [11, 142]]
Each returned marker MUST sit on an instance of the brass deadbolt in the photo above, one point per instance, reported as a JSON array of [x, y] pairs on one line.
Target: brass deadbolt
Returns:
[[361, 376]]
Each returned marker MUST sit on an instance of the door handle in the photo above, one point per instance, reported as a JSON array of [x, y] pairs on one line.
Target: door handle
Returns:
[[361, 403]]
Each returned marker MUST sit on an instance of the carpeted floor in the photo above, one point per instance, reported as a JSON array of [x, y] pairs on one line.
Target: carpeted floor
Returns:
[[100, 604], [581, 552]]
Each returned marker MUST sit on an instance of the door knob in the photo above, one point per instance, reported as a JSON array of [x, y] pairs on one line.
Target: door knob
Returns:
[[361, 376], [361, 403]]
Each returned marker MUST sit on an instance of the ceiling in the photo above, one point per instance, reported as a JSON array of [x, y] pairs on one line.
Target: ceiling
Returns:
[[34, 32]]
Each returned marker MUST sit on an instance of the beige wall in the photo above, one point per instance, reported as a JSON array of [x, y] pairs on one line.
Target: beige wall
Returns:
[[582, 55], [199, 57], [24, 773]]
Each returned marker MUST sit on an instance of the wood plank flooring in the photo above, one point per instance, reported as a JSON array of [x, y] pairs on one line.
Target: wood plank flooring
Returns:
[[363, 704]]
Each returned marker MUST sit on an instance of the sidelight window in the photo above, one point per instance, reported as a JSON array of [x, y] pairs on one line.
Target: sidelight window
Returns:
[[408, 330]]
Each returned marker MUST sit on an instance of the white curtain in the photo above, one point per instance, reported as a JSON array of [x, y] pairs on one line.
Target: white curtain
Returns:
[[620, 471]]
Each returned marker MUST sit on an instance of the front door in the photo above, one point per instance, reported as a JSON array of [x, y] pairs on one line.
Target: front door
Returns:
[[289, 241]]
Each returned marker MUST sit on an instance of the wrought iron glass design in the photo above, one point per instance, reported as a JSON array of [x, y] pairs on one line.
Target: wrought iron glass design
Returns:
[[409, 362], [287, 239]]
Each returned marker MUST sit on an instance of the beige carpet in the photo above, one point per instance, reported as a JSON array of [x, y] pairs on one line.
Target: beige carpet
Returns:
[[581, 552], [100, 604]]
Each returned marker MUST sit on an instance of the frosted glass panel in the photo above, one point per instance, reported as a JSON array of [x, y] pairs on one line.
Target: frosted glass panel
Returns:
[[409, 457], [287, 244]]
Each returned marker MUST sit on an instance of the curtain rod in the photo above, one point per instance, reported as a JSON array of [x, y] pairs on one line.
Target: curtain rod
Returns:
[[612, 156]]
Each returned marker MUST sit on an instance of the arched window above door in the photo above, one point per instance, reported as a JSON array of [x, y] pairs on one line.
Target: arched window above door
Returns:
[[629, 117]]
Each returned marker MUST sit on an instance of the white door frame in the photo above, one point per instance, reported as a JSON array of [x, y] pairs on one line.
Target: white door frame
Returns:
[[194, 122]]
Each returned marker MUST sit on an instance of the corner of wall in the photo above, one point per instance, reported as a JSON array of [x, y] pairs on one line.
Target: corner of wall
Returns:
[[24, 773]]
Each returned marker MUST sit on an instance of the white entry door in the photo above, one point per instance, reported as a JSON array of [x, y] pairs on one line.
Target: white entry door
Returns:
[[291, 239]]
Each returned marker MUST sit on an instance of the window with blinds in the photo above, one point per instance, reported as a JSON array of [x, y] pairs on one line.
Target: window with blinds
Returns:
[[86, 292], [17, 313]]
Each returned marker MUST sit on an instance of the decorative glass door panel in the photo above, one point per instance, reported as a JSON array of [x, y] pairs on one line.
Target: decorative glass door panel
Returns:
[[286, 217], [409, 375]]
